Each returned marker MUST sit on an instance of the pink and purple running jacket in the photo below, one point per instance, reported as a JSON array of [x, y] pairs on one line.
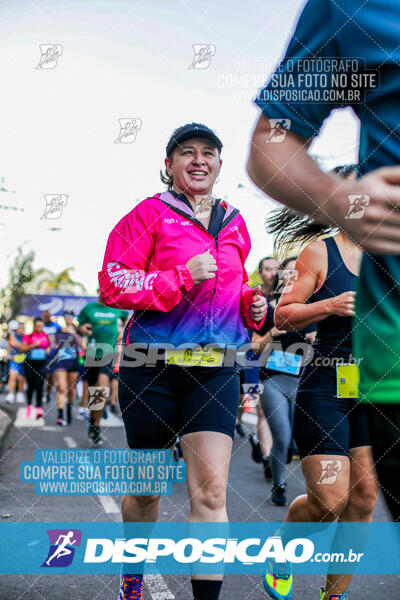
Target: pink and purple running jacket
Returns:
[[144, 270]]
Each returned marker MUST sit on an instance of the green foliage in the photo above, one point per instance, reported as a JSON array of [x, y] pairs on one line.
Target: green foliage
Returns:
[[23, 279], [47, 282], [254, 279], [20, 275]]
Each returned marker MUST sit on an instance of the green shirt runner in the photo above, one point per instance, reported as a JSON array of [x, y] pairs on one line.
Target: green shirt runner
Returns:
[[104, 321], [349, 29]]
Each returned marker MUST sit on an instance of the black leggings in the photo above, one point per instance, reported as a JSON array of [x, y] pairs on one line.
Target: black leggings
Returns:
[[35, 379], [384, 424]]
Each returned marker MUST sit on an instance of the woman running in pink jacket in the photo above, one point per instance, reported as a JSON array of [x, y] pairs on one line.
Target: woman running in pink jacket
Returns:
[[177, 259]]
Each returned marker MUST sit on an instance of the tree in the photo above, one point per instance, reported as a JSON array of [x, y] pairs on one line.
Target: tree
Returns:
[[20, 275], [45, 281], [254, 279]]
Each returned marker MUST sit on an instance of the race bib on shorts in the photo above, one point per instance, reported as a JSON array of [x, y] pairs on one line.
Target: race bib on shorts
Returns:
[[347, 380], [19, 358], [37, 354], [195, 358], [284, 362]]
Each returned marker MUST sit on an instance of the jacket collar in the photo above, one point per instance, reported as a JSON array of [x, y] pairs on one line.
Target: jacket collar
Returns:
[[222, 213]]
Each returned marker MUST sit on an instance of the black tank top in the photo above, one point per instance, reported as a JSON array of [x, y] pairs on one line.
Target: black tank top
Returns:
[[334, 334]]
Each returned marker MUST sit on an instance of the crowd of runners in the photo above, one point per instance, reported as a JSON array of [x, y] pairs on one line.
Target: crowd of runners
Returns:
[[49, 362], [199, 345], [296, 374], [297, 325]]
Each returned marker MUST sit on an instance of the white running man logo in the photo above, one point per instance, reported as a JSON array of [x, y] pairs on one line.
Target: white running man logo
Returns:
[[62, 549], [330, 471]]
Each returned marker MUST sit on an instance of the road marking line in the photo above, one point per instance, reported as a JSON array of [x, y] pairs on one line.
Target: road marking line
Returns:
[[109, 505], [71, 443], [22, 421], [51, 428], [111, 421], [158, 588], [249, 418]]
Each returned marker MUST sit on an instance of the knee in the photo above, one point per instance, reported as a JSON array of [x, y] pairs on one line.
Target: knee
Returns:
[[281, 442], [211, 496], [362, 501], [141, 501], [327, 507], [62, 389]]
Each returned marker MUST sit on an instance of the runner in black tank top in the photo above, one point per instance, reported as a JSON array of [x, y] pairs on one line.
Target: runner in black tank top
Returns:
[[323, 423], [330, 432], [334, 334]]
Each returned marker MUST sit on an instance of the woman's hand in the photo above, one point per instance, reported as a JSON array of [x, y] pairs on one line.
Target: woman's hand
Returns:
[[275, 332], [259, 306], [86, 329], [342, 305], [202, 267]]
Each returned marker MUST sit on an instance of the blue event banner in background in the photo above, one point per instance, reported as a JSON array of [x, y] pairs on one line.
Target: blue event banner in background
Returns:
[[33, 305], [184, 548]]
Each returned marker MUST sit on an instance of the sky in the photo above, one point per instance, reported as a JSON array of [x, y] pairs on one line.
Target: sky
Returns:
[[124, 60]]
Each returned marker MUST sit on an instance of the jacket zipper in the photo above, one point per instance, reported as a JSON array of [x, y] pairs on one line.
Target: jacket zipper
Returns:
[[213, 293], [199, 224]]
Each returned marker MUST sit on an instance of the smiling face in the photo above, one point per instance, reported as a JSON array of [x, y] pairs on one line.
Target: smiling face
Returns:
[[194, 166]]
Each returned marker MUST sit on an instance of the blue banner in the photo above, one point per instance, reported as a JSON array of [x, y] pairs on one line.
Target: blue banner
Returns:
[[33, 305], [183, 548]]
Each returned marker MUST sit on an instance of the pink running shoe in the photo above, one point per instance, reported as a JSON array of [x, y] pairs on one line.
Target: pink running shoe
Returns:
[[29, 411], [39, 412]]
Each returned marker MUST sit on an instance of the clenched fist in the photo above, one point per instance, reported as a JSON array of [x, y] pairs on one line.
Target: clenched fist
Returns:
[[342, 305], [202, 267], [377, 195], [259, 306]]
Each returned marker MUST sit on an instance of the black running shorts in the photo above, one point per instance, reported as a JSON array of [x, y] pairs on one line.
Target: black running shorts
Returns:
[[324, 424], [159, 403]]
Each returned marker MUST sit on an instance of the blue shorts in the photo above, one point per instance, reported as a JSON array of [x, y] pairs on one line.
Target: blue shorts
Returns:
[[159, 403], [69, 365], [324, 424], [18, 367]]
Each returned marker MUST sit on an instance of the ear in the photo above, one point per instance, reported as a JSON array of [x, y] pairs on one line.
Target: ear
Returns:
[[220, 165], [168, 165]]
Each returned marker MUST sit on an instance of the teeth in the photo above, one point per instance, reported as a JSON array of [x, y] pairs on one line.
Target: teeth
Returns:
[[198, 173]]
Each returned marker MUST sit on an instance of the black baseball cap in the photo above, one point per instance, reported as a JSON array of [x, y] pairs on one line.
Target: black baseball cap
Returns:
[[191, 130]]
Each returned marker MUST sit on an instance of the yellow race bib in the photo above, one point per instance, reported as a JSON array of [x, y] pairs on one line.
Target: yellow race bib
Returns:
[[347, 379], [195, 358], [18, 358]]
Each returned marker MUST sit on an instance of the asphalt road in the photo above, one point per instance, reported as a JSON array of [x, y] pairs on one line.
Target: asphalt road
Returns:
[[247, 501]]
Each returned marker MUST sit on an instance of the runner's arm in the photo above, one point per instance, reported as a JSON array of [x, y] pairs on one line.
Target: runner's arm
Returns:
[[287, 173], [247, 295], [9, 348], [78, 339], [291, 312], [127, 279], [259, 342], [14, 343], [83, 321], [27, 344]]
